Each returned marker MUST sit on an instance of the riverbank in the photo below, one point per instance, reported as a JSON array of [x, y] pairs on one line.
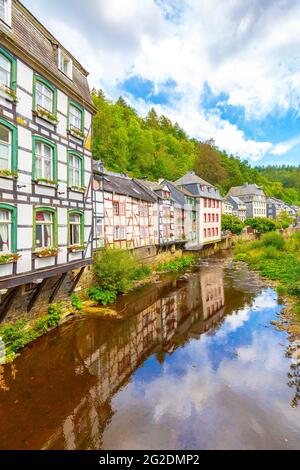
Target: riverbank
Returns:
[[277, 260]]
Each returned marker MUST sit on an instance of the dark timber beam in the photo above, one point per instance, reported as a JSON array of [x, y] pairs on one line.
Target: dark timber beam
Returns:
[[57, 287], [76, 280], [36, 295], [7, 302]]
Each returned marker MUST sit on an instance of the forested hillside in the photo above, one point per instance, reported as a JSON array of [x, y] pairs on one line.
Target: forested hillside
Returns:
[[157, 148]]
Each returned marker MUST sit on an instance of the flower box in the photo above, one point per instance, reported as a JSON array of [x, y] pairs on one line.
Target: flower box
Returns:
[[8, 93], [46, 253], [46, 115], [9, 258], [78, 133], [76, 248], [78, 189], [45, 182], [8, 174]]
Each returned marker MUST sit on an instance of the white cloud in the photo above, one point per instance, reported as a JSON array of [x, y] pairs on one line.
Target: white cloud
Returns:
[[247, 50]]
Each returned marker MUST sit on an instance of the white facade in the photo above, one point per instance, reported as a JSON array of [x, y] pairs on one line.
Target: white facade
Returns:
[[39, 184]]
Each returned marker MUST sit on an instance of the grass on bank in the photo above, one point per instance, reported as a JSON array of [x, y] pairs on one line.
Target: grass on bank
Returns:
[[117, 271], [276, 258]]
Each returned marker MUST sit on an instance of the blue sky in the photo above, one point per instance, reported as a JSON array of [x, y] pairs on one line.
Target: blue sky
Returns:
[[223, 70]]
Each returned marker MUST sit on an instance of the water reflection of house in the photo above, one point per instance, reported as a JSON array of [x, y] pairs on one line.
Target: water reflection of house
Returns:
[[212, 293]]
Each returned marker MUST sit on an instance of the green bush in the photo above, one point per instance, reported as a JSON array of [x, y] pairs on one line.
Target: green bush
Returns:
[[273, 239], [294, 291], [261, 224], [55, 312], [241, 257], [232, 223], [76, 302], [102, 296], [141, 272], [271, 253], [178, 264], [116, 269]]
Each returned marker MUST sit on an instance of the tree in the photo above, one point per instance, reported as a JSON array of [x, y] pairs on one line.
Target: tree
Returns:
[[261, 224], [232, 223], [284, 220]]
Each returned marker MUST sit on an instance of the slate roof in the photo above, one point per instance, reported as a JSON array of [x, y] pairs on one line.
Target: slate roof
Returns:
[[246, 190], [125, 186], [236, 200], [192, 178], [28, 33]]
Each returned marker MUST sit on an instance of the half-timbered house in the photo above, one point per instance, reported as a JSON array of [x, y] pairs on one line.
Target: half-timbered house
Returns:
[[45, 159]]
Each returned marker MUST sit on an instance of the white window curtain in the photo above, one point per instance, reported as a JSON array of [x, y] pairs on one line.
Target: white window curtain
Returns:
[[75, 117], [5, 231], [75, 224], [5, 71], [5, 148], [44, 229], [44, 161], [44, 97], [74, 171]]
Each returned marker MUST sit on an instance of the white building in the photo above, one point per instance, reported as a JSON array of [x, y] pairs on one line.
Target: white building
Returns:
[[45, 155], [253, 197]]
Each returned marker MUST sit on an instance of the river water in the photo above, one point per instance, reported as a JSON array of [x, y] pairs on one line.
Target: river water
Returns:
[[194, 364]]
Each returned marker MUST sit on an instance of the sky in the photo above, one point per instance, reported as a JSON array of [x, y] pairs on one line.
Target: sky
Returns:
[[227, 70]]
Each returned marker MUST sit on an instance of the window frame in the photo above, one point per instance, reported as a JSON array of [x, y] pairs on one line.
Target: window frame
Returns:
[[40, 79], [14, 144], [35, 140], [7, 11], [13, 229], [79, 108], [61, 54], [73, 153], [81, 233], [13, 69], [53, 211]]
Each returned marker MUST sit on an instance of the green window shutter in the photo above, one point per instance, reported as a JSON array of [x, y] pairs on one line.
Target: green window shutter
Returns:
[[14, 225], [14, 154], [38, 138]]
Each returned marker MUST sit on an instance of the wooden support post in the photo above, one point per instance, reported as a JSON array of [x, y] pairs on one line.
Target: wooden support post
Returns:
[[36, 294], [7, 302], [76, 280], [57, 287]]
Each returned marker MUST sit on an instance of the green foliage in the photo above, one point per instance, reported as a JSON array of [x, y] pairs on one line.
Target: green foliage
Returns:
[[273, 239], [261, 224], [232, 223], [271, 252], [116, 269], [102, 296], [155, 147], [55, 312], [284, 220], [141, 272], [176, 265], [241, 257], [76, 302]]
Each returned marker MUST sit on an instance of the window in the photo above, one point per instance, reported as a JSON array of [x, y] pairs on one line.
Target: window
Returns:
[[122, 208], [5, 71], [5, 231], [8, 146], [205, 202], [76, 119], [76, 229], [44, 96], [204, 233], [44, 160], [5, 11], [116, 208], [99, 232], [76, 173], [5, 148], [65, 64], [119, 233], [45, 228]]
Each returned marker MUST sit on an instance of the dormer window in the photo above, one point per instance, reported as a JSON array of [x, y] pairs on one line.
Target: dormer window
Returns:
[[65, 64], [5, 11]]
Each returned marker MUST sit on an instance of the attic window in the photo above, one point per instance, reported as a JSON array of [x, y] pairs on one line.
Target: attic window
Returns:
[[5, 11], [65, 64]]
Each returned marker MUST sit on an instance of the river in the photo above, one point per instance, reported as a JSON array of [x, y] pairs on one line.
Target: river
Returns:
[[194, 364]]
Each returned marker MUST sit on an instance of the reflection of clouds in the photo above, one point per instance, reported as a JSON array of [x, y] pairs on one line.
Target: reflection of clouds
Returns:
[[265, 300], [243, 403]]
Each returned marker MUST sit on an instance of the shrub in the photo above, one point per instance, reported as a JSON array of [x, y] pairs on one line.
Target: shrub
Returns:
[[294, 291], [116, 269], [76, 302], [241, 257], [273, 239], [177, 264], [141, 272], [54, 314], [232, 223], [271, 253], [261, 224], [102, 296]]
